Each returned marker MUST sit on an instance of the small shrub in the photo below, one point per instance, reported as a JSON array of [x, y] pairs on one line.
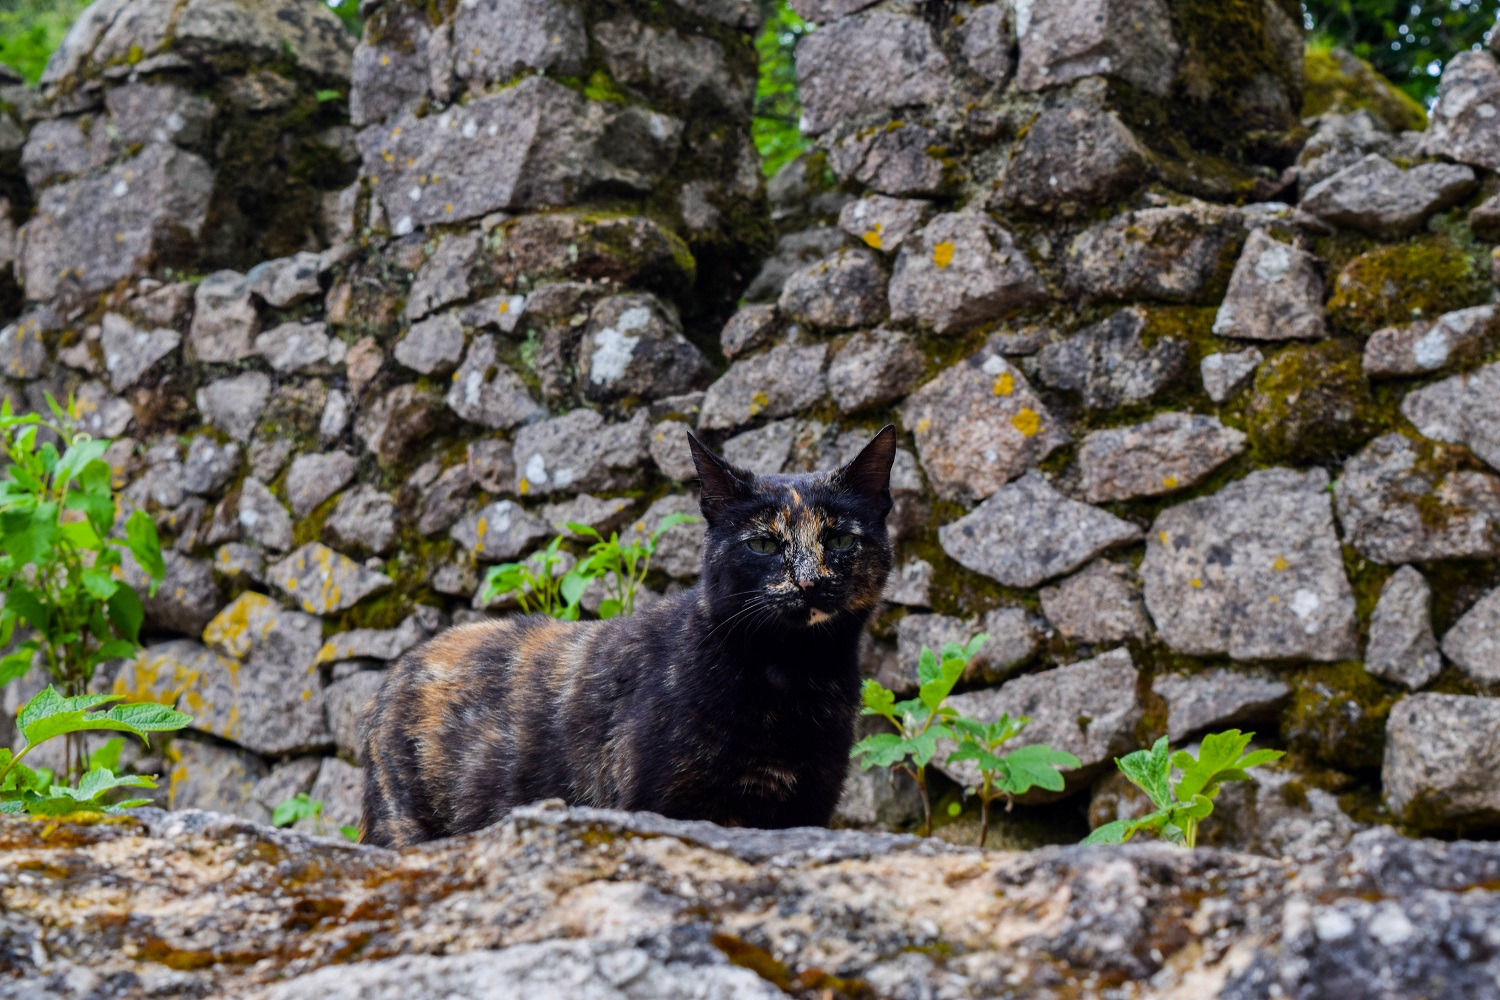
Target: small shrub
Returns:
[[1182, 807], [303, 806], [1013, 774]]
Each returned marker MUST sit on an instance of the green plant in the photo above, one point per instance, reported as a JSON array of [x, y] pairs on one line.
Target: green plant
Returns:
[[60, 559], [303, 806], [1013, 774], [775, 128], [919, 721], [1181, 808], [539, 583], [50, 715]]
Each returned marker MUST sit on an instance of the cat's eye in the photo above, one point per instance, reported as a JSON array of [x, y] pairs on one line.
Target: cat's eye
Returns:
[[763, 546], [841, 542]]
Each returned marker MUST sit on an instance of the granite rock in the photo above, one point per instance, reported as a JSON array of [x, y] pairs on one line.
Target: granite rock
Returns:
[[1101, 603], [346, 702], [363, 520], [129, 352], [776, 383], [1109, 365], [1068, 40], [1473, 643], [323, 581], [315, 477], [433, 346], [874, 368], [1463, 409], [1460, 128], [234, 404], [1173, 254], [399, 421], [579, 451], [845, 289], [262, 518], [883, 223], [499, 532], [1275, 293], [487, 392], [1378, 197], [1430, 345], [224, 319], [1402, 648], [1169, 452], [633, 347], [868, 63], [1072, 157], [961, 269], [751, 327], [286, 281], [1215, 699], [1441, 752]]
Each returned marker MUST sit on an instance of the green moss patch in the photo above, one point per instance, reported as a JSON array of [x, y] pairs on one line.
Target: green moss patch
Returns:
[[1397, 284], [1337, 80], [1310, 402]]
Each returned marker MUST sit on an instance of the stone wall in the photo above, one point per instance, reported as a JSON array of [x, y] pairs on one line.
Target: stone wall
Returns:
[[1195, 374]]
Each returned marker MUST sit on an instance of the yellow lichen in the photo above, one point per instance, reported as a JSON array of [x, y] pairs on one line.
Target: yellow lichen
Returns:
[[942, 254], [1027, 422]]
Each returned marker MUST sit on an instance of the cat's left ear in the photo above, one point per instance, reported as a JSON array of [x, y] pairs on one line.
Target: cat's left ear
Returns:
[[870, 472]]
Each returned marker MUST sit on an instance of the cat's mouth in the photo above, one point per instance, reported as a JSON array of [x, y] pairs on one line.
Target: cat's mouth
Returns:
[[817, 616]]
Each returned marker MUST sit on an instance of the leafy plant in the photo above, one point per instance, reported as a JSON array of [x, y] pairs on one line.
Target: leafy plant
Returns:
[[919, 721], [775, 128], [1180, 808], [50, 715], [60, 558], [539, 583], [303, 806], [1013, 774]]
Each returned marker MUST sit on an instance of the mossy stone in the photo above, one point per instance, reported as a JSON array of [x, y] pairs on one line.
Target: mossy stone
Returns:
[[1310, 401], [1397, 284], [1337, 80], [1338, 716]]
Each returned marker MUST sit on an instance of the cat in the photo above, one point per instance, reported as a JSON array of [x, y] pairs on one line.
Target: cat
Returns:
[[733, 701]]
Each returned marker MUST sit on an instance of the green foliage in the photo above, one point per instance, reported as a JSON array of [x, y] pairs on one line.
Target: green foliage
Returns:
[[303, 806], [1015, 773], [50, 715], [1408, 41], [31, 29], [348, 12], [1180, 809], [778, 107], [540, 584]]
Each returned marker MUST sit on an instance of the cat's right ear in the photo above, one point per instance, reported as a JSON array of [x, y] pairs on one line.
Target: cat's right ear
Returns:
[[719, 483]]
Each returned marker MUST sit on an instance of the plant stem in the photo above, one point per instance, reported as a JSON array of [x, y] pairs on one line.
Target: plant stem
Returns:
[[984, 811]]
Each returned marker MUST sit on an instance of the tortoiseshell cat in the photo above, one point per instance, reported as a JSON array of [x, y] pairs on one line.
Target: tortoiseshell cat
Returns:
[[733, 701]]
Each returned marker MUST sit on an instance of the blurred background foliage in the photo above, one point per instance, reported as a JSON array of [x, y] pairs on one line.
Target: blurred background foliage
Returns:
[[1406, 40]]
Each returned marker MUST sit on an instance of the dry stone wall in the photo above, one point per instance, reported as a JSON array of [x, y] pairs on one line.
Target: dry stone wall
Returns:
[[1189, 339]]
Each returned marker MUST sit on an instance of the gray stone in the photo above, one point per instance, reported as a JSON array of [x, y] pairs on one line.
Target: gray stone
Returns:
[[224, 319], [962, 269], [346, 701], [669, 450], [1109, 365], [1088, 709], [315, 477], [99, 413], [322, 581], [309, 34], [60, 148], [499, 532], [23, 346], [1101, 603], [364, 520], [765, 450], [1342, 140], [1441, 755], [1027, 533], [793, 252], [1172, 254], [1461, 125], [1253, 571], [443, 502], [750, 328], [286, 281], [496, 40], [432, 346], [559, 149], [1464, 409], [486, 392], [978, 425], [405, 418], [845, 289], [878, 797], [186, 598], [986, 41], [869, 62], [158, 112], [579, 451], [686, 67], [897, 159], [910, 584], [633, 347], [382, 644], [603, 516], [1378, 197], [1066, 40], [1484, 219], [1402, 648], [1169, 452], [1399, 502], [262, 518], [162, 305], [209, 465], [1214, 699], [1275, 293], [208, 776], [130, 352], [873, 369], [234, 404], [1012, 641], [340, 787], [392, 71], [1226, 373], [445, 277], [295, 347], [776, 383], [1430, 345], [91, 232], [679, 551], [1474, 640], [884, 223], [1072, 157], [827, 10], [239, 562], [492, 464]]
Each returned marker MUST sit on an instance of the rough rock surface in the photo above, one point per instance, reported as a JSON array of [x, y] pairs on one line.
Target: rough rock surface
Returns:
[[1253, 571], [323, 581], [1215, 699], [1225, 373], [866, 63], [1171, 254], [873, 368], [1439, 751], [1109, 364], [1474, 640], [635, 906], [846, 289], [1464, 409], [1465, 105], [1099, 604], [1402, 647], [776, 383], [1131, 40], [1165, 454], [961, 269], [1027, 532], [1275, 293], [1429, 345], [1376, 196], [1072, 157], [579, 451]]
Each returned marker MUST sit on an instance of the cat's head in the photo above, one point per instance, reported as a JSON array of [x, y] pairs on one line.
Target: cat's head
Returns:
[[796, 551]]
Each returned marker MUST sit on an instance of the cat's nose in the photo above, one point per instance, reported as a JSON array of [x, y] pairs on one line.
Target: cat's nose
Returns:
[[807, 584]]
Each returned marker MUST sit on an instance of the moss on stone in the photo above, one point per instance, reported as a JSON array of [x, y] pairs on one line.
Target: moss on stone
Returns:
[[1396, 284], [1310, 401], [1337, 716], [1335, 80]]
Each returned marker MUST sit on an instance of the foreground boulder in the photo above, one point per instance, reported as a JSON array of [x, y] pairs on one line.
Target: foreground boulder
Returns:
[[597, 904]]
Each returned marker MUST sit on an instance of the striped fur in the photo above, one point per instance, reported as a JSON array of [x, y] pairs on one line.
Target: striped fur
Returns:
[[734, 701]]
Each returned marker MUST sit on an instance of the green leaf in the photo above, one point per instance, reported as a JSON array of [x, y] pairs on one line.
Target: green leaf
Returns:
[[299, 807], [17, 662], [26, 604], [583, 530], [877, 699], [113, 649], [923, 747], [140, 535], [1037, 766], [935, 690], [149, 717], [324, 96], [1150, 770], [49, 714], [99, 583], [982, 758], [880, 750], [126, 612], [73, 461], [573, 585], [609, 608], [29, 535], [1221, 758], [351, 833], [1110, 833], [108, 754]]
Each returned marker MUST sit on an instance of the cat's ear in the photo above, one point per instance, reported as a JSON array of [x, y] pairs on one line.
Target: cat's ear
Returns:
[[719, 483], [870, 472]]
